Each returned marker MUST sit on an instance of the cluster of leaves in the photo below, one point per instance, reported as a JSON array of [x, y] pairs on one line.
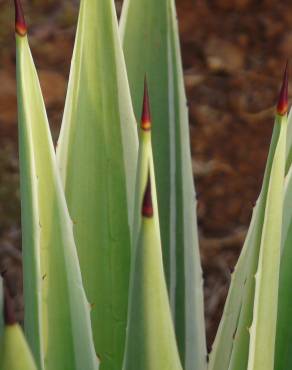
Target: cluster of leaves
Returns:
[[112, 275]]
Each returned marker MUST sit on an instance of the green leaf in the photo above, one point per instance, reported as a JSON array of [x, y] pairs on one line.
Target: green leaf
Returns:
[[239, 355], [57, 321], [15, 353], [150, 342], [1, 308], [263, 329], [144, 165], [289, 143], [231, 345], [97, 155], [283, 358], [150, 41]]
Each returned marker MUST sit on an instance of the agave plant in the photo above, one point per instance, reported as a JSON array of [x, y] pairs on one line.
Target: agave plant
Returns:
[[112, 275]]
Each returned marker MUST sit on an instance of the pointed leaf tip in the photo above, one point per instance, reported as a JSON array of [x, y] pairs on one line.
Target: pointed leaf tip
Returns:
[[282, 106], [9, 313], [20, 25], [146, 116], [147, 208]]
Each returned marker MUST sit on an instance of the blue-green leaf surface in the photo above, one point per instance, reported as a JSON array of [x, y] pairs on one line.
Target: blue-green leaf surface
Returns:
[[97, 155], [151, 46]]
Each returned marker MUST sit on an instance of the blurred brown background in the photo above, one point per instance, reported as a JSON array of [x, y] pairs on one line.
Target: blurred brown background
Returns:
[[234, 52]]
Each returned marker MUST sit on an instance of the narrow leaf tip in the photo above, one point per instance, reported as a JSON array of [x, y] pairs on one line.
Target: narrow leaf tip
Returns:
[[9, 313], [282, 106], [147, 207], [20, 25], [146, 116]]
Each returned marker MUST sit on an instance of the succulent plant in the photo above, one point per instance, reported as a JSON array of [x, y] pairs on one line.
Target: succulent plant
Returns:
[[112, 274]]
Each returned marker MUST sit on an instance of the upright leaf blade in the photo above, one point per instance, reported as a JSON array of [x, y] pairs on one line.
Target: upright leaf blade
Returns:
[[284, 331], [97, 155], [263, 330], [56, 309], [144, 165], [15, 353], [264, 325], [245, 270], [289, 143], [231, 346], [150, 342], [150, 41]]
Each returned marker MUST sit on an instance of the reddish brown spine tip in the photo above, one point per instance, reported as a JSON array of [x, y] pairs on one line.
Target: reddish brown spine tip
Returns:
[[282, 106], [9, 313], [146, 116], [20, 25], [147, 207]]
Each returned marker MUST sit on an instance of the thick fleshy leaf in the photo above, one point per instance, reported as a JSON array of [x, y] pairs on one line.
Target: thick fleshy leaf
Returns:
[[57, 319], [231, 346], [263, 329], [241, 338], [144, 165], [283, 358], [15, 353], [97, 155], [150, 42], [150, 342], [245, 269]]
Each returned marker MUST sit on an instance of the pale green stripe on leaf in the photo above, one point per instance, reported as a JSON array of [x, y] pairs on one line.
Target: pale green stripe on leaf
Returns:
[[150, 41], [97, 155], [30, 238], [287, 212], [289, 144], [56, 293]]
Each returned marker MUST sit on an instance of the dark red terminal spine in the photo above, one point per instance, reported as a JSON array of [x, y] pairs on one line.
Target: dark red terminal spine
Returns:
[[147, 208], [282, 106], [146, 115], [20, 25]]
